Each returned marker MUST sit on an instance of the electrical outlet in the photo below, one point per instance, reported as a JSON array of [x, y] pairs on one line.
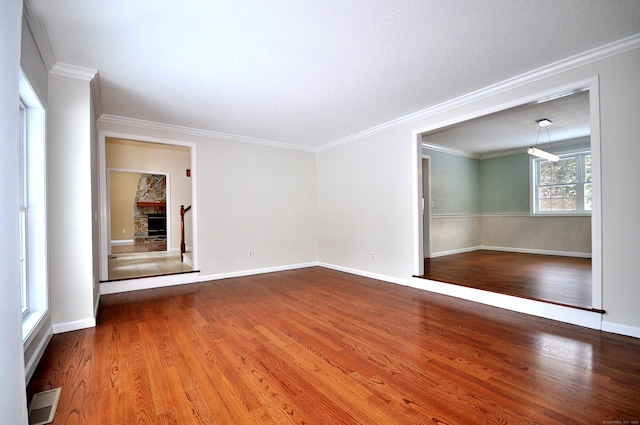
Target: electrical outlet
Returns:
[[373, 254], [124, 231], [250, 253]]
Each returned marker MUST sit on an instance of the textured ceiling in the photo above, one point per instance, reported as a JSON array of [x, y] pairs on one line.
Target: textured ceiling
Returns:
[[311, 72], [517, 128]]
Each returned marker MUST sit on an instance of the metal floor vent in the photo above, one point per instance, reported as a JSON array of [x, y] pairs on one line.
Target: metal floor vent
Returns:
[[43, 407]]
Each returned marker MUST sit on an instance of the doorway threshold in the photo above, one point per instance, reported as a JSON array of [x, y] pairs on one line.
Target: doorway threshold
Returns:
[[590, 309], [136, 283]]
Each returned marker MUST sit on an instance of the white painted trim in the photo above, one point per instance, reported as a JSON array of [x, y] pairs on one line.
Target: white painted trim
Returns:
[[417, 186], [122, 242], [364, 273], [585, 58], [455, 251], [592, 84], [75, 325], [596, 193], [96, 307], [535, 308], [252, 272], [588, 319], [73, 71], [40, 35], [512, 249], [537, 251], [104, 198], [117, 286], [617, 328], [126, 285], [559, 313], [96, 94], [450, 151], [152, 125], [32, 363]]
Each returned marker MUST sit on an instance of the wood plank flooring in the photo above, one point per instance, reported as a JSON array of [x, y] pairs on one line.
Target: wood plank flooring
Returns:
[[560, 280], [317, 346]]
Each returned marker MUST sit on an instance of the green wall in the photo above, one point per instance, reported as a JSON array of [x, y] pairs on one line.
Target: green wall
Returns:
[[465, 186], [504, 184], [455, 185]]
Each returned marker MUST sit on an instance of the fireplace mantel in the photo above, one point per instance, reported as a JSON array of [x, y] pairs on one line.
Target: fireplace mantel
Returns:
[[160, 204]]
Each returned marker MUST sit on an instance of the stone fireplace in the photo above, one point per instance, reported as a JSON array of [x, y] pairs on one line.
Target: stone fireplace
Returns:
[[149, 209]]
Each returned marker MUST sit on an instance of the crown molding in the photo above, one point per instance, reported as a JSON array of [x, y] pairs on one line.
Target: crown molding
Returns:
[[450, 151], [41, 36], [73, 71], [581, 59], [152, 125], [509, 152]]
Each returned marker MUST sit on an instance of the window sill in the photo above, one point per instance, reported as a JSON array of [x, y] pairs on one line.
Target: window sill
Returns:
[[30, 323]]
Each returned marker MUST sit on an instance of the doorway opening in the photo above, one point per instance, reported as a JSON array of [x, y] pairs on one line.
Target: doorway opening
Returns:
[[145, 185], [460, 221]]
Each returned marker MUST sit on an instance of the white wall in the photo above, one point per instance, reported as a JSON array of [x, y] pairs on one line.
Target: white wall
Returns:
[[13, 403], [249, 197], [620, 129], [365, 188], [70, 204], [254, 198], [365, 205]]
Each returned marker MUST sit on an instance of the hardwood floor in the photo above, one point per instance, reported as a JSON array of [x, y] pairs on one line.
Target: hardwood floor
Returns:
[[560, 280], [317, 346]]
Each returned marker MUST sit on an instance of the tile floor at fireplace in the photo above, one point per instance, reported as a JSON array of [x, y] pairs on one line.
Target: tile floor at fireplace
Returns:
[[140, 264]]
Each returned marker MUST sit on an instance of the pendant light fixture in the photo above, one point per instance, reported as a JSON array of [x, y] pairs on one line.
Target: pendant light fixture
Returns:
[[533, 150]]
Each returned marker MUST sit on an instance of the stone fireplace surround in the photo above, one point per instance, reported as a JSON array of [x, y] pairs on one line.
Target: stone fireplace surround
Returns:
[[151, 198]]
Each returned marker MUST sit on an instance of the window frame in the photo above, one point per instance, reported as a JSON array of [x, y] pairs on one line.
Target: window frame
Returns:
[[534, 184], [34, 279]]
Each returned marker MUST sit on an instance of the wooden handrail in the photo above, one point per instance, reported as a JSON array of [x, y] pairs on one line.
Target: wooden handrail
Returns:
[[183, 211]]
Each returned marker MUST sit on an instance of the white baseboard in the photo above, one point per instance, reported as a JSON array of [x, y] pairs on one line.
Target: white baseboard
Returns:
[[512, 249], [455, 251], [118, 286], [538, 251], [242, 273], [621, 329], [574, 316], [122, 242], [74, 325], [588, 319], [371, 275]]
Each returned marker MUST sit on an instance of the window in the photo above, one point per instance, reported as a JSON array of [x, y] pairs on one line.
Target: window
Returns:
[[24, 287], [562, 187], [32, 213]]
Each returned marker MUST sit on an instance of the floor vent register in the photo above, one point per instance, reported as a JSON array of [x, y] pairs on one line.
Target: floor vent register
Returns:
[[43, 407]]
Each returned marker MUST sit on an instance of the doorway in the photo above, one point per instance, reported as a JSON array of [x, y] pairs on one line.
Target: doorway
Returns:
[[426, 247], [426, 206], [145, 184]]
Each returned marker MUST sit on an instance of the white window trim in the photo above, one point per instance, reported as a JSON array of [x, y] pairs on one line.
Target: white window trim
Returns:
[[35, 210], [533, 186]]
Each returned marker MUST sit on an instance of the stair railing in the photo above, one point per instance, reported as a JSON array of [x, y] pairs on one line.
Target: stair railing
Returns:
[[183, 249]]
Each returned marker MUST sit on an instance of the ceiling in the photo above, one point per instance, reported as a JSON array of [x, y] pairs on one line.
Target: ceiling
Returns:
[[308, 73], [517, 128]]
